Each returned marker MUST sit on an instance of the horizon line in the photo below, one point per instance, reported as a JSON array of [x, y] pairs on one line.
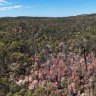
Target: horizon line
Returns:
[[49, 16]]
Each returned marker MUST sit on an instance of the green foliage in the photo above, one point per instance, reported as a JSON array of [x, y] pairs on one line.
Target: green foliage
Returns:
[[17, 56], [52, 94], [40, 91], [29, 93]]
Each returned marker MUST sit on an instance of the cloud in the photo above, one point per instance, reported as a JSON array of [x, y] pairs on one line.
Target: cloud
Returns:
[[10, 7], [3, 1], [1, 4]]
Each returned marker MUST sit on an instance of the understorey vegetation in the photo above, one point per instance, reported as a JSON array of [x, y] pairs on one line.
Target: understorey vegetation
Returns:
[[41, 56]]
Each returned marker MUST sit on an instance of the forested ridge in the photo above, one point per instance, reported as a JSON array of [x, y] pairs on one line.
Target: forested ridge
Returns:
[[48, 56]]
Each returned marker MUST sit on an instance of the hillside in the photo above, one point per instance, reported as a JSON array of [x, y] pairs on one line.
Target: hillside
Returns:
[[44, 56]]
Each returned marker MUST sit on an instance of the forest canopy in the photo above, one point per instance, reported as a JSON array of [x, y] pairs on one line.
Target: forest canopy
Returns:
[[27, 42]]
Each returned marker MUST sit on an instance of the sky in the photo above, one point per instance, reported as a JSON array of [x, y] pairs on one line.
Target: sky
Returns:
[[46, 8]]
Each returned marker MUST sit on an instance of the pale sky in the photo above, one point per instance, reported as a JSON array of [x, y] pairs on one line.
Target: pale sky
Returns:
[[49, 8]]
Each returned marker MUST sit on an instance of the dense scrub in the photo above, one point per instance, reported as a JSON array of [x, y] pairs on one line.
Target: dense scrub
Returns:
[[48, 56]]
